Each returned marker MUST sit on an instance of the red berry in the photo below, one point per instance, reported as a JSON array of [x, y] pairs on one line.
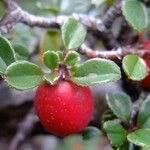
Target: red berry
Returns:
[[147, 44], [64, 108], [146, 81]]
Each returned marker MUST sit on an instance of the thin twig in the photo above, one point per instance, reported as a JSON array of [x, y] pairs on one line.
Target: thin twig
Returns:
[[115, 54], [10, 18], [24, 129], [15, 14]]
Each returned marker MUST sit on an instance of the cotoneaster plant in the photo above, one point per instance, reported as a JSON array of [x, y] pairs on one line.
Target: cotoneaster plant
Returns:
[[63, 100]]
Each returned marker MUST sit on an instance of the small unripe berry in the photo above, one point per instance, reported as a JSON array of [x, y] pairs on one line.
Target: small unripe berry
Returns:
[[64, 108]]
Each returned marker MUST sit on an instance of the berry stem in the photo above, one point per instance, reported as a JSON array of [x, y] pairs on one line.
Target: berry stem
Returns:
[[140, 37], [63, 72], [62, 69], [65, 51]]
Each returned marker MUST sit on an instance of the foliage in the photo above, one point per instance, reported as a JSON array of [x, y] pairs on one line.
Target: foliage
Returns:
[[94, 71], [139, 23]]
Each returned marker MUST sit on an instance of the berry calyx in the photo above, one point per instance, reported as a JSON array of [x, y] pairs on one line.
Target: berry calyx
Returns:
[[64, 108]]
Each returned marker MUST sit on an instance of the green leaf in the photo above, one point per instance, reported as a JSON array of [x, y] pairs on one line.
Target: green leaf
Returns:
[[72, 58], [2, 9], [147, 123], [61, 56], [136, 14], [140, 137], [116, 133], [24, 35], [7, 55], [108, 115], [50, 40], [51, 59], [134, 67], [125, 146], [23, 75], [144, 113], [73, 33], [51, 78], [68, 7], [3, 66], [20, 50], [91, 132], [120, 104], [50, 9], [96, 71]]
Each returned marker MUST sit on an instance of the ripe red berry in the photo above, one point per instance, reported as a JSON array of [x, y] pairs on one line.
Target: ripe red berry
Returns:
[[147, 44], [64, 108]]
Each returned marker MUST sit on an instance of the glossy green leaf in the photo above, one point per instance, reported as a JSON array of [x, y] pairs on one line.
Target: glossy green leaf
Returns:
[[96, 71], [91, 132], [120, 104], [51, 59], [23, 75], [134, 67], [7, 54], [51, 78], [144, 114], [140, 137], [116, 133], [73, 33], [72, 58], [136, 14], [20, 50]]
